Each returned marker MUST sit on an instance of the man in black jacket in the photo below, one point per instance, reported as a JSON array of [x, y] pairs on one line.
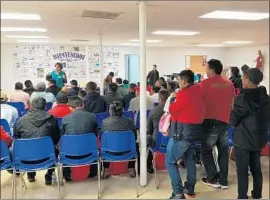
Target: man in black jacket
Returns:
[[93, 102], [153, 76], [38, 123], [113, 95], [131, 94], [53, 87], [250, 117], [78, 122]]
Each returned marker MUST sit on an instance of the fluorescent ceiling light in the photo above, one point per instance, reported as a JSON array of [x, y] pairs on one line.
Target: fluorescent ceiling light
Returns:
[[28, 37], [129, 44], [218, 14], [22, 29], [20, 16], [150, 41], [237, 42], [175, 33], [209, 45], [34, 41]]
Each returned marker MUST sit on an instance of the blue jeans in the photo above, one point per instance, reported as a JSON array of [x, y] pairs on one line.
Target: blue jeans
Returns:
[[176, 150]]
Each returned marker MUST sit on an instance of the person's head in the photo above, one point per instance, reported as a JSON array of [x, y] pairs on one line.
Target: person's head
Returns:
[[259, 52], [74, 83], [155, 89], [163, 96], [48, 77], [52, 82], [111, 75], [159, 83], [116, 109], [213, 67], [91, 86], [154, 67], [125, 82], [75, 103], [186, 78], [119, 81], [61, 98], [235, 71], [4, 97], [113, 87], [162, 79], [132, 87], [252, 78], [65, 89], [58, 67], [82, 94], [41, 87], [18, 86], [39, 103], [244, 68], [28, 84], [172, 86]]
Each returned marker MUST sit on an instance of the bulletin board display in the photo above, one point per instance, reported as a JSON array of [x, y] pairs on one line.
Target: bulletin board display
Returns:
[[196, 63], [34, 62]]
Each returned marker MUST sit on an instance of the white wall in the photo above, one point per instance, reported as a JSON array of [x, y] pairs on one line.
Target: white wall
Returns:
[[168, 60], [238, 56]]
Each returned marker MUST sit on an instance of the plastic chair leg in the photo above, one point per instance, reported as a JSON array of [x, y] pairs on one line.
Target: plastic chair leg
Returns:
[[61, 178], [155, 171], [14, 191], [23, 181], [137, 177], [99, 184], [58, 181]]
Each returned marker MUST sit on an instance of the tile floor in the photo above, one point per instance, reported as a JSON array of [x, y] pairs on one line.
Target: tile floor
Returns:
[[122, 187]]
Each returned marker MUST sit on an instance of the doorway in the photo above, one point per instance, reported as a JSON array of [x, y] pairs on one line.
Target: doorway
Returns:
[[132, 67]]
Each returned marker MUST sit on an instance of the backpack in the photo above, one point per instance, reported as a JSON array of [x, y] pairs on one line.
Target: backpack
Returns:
[[164, 124]]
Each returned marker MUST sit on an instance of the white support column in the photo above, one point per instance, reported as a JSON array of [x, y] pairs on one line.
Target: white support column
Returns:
[[101, 65], [143, 119]]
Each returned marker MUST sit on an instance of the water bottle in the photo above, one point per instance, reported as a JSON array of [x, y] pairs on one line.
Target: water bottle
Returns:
[[53, 178]]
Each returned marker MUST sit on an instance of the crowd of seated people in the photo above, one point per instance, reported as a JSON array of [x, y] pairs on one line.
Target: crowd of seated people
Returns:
[[195, 114]]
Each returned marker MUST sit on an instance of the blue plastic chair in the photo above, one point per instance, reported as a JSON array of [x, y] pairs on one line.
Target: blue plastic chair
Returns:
[[41, 150], [100, 117], [161, 147], [59, 122], [129, 114], [5, 125], [5, 161], [48, 106], [19, 106], [83, 145], [119, 146], [137, 121]]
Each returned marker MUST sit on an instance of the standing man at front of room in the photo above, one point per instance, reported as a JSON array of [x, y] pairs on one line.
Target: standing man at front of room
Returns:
[[152, 76], [218, 95], [187, 110]]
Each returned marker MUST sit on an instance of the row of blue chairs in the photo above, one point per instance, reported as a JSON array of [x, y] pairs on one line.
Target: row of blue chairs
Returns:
[[87, 153]]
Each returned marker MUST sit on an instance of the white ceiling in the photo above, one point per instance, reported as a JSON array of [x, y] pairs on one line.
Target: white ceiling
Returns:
[[63, 21]]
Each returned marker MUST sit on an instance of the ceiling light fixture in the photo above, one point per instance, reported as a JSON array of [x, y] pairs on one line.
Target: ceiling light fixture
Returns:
[[150, 41], [210, 45], [20, 16], [175, 33], [22, 29], [218, 14], [237, 42], [28, 37], [34, 41]]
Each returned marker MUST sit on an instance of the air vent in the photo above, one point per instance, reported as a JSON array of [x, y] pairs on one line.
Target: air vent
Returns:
[[100, 15], [79, 40]]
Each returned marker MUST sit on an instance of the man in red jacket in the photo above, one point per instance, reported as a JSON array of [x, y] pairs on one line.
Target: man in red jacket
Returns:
[[62, 108], [187, 111], [218, 95], [4, 136]]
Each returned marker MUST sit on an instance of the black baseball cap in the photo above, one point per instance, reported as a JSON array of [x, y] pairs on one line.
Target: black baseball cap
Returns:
[[254, 75]]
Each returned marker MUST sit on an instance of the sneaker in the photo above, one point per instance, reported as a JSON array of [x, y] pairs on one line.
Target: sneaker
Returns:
[[213, 184], [180, 196], [31, 179], [224, 186], [189, 194], [150, 170], [68, 179], [254, 196], [106, 174], [132, 173], [48, 181]]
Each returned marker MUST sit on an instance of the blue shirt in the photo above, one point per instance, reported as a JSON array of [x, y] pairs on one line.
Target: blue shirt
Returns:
[[49, 97], [59, 78]]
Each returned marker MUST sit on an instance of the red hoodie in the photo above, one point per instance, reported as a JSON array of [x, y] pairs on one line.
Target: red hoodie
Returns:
[[5, 137], [189, 106], [60, 110]]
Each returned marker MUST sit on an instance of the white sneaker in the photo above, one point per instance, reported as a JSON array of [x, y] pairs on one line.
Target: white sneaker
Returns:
[[224, 186]]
